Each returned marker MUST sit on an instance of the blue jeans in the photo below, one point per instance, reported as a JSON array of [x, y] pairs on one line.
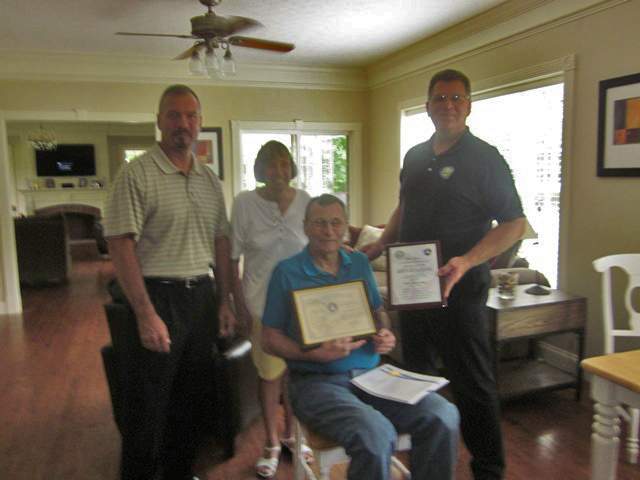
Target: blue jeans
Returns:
[[366, 426]]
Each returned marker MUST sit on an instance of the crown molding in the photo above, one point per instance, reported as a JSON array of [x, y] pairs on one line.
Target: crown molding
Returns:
[[18, 65], [501, 25]]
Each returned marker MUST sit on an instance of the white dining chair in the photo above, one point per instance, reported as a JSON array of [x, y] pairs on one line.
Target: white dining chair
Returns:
[[630, 264]]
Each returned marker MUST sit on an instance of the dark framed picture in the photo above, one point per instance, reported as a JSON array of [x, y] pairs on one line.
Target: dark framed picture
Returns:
[[619, 127], [208, 149]]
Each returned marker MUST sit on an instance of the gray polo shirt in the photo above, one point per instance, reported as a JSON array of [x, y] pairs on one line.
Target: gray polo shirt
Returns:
[[173, 217]]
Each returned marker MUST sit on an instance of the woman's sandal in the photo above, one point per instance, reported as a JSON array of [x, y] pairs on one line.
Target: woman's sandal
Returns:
[[290, 445], [267, 466]]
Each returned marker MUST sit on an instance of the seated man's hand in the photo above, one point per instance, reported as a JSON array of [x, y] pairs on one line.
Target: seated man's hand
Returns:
[[335, 349], [372, 250], [384, 341]]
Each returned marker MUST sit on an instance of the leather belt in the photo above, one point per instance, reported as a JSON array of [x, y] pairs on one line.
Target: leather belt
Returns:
[[184, 282]]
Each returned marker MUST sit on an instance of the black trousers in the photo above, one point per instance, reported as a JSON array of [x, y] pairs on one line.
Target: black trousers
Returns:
[[168, 394], [458, 335]]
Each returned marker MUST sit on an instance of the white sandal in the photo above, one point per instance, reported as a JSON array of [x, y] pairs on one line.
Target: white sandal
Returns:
[[290, 445], [266, 467]]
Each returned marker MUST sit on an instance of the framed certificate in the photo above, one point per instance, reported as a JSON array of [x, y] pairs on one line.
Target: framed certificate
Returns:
[[333, 311], [412, 276]]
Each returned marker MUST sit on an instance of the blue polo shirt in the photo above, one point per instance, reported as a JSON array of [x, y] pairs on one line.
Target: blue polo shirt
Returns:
[[300, 271]]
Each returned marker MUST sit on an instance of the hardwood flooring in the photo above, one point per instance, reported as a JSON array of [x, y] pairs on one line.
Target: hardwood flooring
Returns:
[[56, 421]]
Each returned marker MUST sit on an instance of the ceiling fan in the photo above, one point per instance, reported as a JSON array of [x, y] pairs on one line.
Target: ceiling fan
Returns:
[[210, 32]]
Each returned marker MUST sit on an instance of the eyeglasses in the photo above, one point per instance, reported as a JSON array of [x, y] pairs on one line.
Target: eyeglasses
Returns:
[[455, 98], [321, 223]]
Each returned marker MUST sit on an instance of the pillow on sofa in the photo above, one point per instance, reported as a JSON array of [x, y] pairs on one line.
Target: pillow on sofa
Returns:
[[368, 235]]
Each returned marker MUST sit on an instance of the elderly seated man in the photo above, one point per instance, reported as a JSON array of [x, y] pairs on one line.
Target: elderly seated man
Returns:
[[320, 388]]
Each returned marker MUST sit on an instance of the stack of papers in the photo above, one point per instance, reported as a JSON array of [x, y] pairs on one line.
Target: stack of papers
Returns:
[[393, 383]]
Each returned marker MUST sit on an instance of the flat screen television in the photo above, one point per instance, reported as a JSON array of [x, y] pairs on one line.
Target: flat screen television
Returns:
[[77, 160]]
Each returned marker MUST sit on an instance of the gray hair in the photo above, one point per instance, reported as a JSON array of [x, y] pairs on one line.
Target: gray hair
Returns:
[[324, 200]]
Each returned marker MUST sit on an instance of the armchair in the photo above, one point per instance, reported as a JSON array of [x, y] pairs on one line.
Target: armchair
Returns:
[[42, 245], [234, 376]]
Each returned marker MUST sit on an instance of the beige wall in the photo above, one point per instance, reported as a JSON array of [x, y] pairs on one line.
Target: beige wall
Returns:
[[602, 212], [219, 104]]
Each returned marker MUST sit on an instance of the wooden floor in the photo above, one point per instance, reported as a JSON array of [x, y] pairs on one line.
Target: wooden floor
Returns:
[[56, 421]]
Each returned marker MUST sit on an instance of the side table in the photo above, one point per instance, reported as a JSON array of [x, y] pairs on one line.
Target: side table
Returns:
[[533, 317]]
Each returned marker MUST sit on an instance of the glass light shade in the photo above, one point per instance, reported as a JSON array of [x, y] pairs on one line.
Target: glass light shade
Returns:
[[195, 64], [228, 64], [211, 62]]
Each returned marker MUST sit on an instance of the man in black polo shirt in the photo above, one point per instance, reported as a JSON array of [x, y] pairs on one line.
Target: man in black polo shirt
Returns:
[[451, 189]]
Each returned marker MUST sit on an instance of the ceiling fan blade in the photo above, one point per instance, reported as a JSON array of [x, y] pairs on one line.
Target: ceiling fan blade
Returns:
[[234, 24], [260, 43], [154, 35], [190, 51]]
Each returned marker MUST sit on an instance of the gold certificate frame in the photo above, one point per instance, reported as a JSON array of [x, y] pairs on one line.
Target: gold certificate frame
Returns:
[[333, 311], [412, 276]]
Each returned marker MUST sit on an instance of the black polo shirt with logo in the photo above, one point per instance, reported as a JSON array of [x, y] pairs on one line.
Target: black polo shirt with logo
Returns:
[[453, 197]]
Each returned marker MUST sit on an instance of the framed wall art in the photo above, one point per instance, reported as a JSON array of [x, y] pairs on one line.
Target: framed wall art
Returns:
[[208, 149], [619, 127]]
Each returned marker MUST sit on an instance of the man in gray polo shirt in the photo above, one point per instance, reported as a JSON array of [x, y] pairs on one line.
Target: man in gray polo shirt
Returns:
[[166, 224]]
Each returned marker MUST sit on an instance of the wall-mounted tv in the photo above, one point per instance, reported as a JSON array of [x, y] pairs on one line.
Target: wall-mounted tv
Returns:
[[67, 160]]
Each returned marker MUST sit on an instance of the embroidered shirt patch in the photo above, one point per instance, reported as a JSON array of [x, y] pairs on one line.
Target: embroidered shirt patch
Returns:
[[446, 172]]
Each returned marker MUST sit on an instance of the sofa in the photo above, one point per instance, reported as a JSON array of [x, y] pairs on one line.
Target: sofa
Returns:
[[83, 223], [360, 236], [42, 247]]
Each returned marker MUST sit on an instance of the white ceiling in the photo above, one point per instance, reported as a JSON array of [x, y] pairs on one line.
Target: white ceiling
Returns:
[[337, 33]]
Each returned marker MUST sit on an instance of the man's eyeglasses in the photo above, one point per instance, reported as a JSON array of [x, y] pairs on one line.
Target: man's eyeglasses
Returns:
[[321, 223], [455, 99]]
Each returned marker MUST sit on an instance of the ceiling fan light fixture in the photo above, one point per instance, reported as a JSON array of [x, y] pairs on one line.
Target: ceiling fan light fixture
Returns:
[[211, 62], [195, 64], [228, 63], [211, 31]]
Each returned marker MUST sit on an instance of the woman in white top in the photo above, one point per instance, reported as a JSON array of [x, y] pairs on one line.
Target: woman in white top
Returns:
[[267, 226]]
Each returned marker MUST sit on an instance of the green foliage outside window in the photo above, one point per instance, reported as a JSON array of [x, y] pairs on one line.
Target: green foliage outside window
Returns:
[[340, 165]]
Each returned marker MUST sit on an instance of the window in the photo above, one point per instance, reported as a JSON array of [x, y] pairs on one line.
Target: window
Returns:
[[327, 155], [131, 154], [526, 127]]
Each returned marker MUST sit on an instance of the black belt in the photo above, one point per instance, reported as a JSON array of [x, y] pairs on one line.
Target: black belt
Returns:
[[184, 282]]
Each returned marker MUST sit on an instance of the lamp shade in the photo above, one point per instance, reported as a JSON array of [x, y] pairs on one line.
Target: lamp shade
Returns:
[[529, 232]]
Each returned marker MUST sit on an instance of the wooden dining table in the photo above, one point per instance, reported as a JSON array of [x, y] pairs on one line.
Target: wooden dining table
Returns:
[[615, 381]]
